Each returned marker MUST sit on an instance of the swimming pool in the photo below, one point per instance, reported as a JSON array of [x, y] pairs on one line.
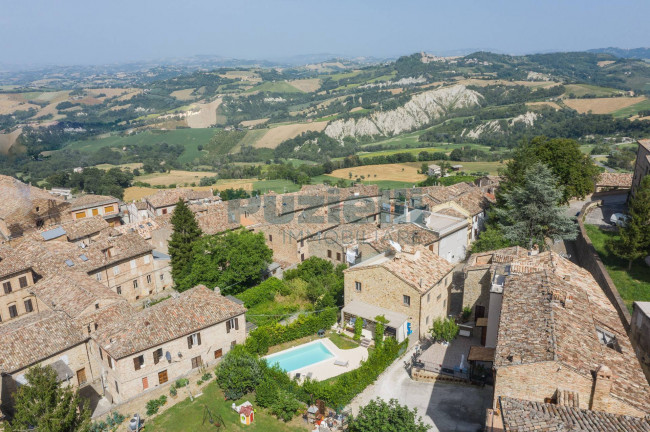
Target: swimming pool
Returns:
[[299, 357]]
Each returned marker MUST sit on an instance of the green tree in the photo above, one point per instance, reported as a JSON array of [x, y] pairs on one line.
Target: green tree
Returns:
[[239, 373], [45, 406], [572, 169], [186, 233], [380, 326], [444, 329], [382, 416], [358, 328], [490, 239], [634, 237], [532, 212], [233, 261]]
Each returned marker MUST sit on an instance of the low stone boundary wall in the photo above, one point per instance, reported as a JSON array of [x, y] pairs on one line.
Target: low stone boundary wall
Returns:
[[589, 259], [418, 374]]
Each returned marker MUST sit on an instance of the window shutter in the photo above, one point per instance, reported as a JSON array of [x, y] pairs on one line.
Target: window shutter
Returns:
[[198, 336], [228, 326], [236, 324], [136, 364], [189, 342]]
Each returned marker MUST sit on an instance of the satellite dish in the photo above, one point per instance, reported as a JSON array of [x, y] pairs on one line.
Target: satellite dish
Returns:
[[395, 245], [168, 356]]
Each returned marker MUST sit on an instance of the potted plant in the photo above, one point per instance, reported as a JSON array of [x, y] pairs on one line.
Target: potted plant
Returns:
[[173, 392]]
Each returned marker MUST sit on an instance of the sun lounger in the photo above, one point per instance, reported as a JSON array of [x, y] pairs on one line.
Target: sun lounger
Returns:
[[342, 363], [309, 374]]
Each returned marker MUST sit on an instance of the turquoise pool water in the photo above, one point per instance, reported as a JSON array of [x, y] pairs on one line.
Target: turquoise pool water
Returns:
[[297, 358]]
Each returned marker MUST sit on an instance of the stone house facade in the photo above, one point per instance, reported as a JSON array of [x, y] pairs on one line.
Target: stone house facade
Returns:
[[640, 334], [642, 165], [135, 355], [90, 205]]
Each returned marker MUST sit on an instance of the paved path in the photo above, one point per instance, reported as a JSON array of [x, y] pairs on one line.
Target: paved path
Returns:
[[444, 406]]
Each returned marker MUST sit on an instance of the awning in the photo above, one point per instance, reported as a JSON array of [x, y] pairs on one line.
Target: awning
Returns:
[[369, 312], [481, 353]]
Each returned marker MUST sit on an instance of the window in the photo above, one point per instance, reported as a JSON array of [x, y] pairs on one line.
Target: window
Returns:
[[271, 238], [109, 360], [13, 312], [329, 253], [116, 270], [146, 259], [445, 281], [96, 326], [23, 281], [80, 215], [117, 389], [218, 353], [28, 306], [138, 362], [81, 376], [232, 323], [148, 279], [157, 355], [0, 318], [428, 297], [439, 297], [119, 289], [109, 209], [302, 257], [98, 276], [407, 300], [162, 377], [7, 287], [193, 339], [357, 286], [608, 339], [135, 283], [427, 320], [196, 362], [162, 277], [164, 211], [145, 383], [101, 354], [338, 256], [133, 264], [233, 344]]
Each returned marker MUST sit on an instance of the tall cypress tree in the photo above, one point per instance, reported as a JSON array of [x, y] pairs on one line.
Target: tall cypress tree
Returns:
[[634, 240], [186, 232]]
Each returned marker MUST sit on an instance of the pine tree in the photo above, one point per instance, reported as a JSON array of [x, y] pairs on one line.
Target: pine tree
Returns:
[[634, 237], [186, 232], [44, 405], [532, 211]]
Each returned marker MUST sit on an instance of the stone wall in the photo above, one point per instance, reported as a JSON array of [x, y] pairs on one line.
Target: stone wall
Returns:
[[589, 259]]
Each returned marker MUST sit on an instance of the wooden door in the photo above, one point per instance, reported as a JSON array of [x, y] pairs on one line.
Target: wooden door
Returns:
[[162, 377], [81, 376], [479, 312], [145, 383]]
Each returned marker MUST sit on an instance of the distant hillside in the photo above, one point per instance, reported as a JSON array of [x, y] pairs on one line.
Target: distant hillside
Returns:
[[640, 53]]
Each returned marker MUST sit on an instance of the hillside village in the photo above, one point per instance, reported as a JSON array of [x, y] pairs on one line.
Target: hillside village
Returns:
[[543, 342]]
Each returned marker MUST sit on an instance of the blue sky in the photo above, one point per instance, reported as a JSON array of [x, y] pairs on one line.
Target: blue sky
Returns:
[[94, 32]]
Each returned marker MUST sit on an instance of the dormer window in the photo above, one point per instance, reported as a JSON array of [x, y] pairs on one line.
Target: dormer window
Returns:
[[608, 339]]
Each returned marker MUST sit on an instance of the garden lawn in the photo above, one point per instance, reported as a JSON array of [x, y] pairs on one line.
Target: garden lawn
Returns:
[[187, 416], [633, 285], [343, 342]]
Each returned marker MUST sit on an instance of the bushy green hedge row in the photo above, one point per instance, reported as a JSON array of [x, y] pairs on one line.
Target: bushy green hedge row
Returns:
[[260, 339], [263, 292], [340, 391]]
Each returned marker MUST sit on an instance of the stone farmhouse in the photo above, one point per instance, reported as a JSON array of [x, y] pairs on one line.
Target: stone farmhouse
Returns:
[[408, 286], [642, 165], [608, 181], [164, 342], [555, 333]]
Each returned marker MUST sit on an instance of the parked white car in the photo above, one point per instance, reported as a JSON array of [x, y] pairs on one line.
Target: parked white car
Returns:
[[619, 219]]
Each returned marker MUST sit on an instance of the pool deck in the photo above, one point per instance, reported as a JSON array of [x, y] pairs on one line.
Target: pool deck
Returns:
[[327, 369]]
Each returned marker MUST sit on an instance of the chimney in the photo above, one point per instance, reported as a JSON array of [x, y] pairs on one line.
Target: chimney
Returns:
[[601, 388], [568, 302]]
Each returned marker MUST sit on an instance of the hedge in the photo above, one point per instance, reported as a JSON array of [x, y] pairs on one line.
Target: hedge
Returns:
[[341, 390], [260, 339], [262, 292]]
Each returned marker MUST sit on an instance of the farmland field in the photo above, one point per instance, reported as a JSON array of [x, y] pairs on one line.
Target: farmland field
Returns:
[[274, 136], [392, 172], [584, 89], [206, 115], [177, 177], [7, 140], [275, 87], [603, 105], [632, 109], [190, 138], [306, 85], [138, 192], [469, 167]]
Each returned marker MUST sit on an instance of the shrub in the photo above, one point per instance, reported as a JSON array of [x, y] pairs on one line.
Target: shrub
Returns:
[[238, 373], [173, 391], [467, 312], [260, 339], [262, 292], [199, 382], [266, 393], [358, 328], [154, 405], [444, 329], [181, 382], [380, 326], [285, 405], [206, 376]]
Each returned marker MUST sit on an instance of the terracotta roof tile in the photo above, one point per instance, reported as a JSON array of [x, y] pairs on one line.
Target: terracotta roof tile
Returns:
[[621, 180], [85, 227]]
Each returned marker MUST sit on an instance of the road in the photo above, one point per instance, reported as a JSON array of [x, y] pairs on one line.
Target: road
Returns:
[[444, 406]]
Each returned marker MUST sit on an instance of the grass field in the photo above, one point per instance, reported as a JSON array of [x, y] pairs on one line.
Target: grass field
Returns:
[[584, 89], [632, 109], [469, 167], [306, 85], [127, 166], [391, 172], [603, 105], [190, 138], [274, 87], [633, 285], [189, 415]]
